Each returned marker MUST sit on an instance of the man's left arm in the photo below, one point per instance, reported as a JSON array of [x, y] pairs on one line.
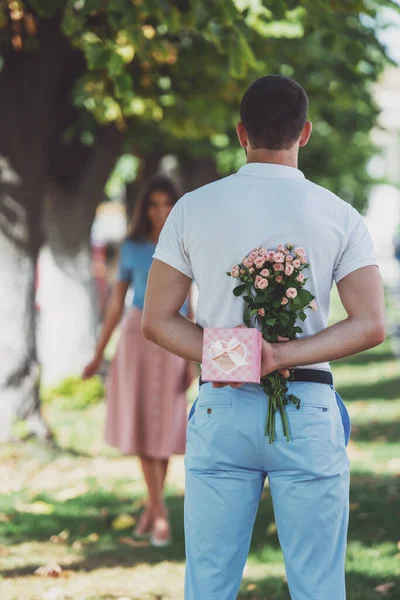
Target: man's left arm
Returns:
[[162, 323]]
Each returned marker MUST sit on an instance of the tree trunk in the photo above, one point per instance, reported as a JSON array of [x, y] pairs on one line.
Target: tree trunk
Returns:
[[19, 371], [31, 89], [195, 172], [68, 308]]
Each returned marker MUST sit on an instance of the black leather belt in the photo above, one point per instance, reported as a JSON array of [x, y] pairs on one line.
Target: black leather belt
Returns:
[[310, 375]]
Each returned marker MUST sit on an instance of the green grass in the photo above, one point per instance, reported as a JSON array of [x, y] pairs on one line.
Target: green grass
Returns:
[[59, 504]]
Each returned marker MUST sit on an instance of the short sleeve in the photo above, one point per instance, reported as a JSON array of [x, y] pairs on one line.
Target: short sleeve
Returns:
[[358, 251], [170, 248], [125, 268]]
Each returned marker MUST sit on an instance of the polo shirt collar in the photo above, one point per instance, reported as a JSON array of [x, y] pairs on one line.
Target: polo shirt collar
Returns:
[[269, 170]]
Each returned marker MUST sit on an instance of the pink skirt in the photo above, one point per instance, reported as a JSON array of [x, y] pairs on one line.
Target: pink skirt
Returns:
[[146, 399]]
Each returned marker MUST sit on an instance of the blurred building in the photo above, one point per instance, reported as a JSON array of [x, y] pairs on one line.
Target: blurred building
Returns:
[[108, 230]]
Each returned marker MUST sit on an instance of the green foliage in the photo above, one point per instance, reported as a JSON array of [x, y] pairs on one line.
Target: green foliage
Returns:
[[76, 393], [125, 171], [175, 71]]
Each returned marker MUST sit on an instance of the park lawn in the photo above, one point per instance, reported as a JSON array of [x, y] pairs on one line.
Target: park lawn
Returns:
[[60, 504]]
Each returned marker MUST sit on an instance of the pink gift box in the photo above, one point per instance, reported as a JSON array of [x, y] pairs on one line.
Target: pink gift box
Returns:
[[232, 355]]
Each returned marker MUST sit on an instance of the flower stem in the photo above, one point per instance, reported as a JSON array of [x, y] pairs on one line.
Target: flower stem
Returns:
[[276, 393]]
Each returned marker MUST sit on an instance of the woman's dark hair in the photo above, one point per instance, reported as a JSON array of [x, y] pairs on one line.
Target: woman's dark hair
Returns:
[[141, 225], [273, 111]]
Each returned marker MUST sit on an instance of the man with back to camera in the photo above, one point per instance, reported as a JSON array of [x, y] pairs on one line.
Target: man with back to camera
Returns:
[[266, 203]]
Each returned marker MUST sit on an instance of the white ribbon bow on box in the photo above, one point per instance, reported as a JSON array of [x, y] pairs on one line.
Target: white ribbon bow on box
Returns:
[[220, 348]]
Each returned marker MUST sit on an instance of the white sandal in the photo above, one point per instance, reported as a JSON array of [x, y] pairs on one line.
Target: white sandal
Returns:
[[158, 541]]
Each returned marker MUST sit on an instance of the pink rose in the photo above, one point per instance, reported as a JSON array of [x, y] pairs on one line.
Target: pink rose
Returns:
[[300, 277], [235, 271], [265, 273], [289, 258], [296, 263], [281, 248], [271, 255], [279, 279], [263, 252], [300, 252], [313, 305], [278, 267], [286, 252], [259, 262], [289, 270], [261, 312], [261, 283], [249, 260], [279, 257], [251, 270], [303, 260], [284, 301], [291, 292], [242, 272]]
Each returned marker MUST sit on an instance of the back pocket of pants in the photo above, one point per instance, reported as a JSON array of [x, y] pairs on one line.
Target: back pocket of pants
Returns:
[[306, 408], [212, 408]]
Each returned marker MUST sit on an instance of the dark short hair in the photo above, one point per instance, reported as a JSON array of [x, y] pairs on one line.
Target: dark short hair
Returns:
[[273, 111], [141, 225]]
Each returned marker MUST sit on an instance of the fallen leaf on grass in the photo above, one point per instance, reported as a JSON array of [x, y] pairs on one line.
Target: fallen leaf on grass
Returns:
[[123, 522], [71, 493], [4, 518], [133, 543], [92, 538], [384, 588], [61, 537], [50, 570], [36, 508]]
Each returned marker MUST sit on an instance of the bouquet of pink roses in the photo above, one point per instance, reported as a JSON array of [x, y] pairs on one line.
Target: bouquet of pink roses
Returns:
[[273, 286]]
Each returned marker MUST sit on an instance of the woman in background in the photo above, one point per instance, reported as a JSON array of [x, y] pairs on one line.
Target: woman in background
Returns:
[[146, 399]]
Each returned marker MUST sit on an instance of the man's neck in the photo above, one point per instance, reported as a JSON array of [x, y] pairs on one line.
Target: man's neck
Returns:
[[286, 158]]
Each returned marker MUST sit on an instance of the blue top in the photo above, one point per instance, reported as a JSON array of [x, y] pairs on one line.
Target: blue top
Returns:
[[135, 261]]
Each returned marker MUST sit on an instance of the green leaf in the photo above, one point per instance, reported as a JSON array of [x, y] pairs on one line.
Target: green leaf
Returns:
[[270, 322], [254, 311], [261, 297], [305, 297], [238, 291], [246, 317], [302, 316], [123, 86], [284, 317]]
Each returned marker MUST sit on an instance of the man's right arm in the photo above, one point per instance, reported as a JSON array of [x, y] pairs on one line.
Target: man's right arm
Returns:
[[361, 293]]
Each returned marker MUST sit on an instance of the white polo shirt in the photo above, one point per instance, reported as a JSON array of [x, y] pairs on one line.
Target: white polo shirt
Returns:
[[214, 227]]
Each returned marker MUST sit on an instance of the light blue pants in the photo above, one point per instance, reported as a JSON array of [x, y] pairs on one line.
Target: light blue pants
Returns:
[[227, 460]]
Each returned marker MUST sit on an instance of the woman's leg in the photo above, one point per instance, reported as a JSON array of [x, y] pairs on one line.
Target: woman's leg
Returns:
[[164, 467], [152, 478], [155, 515]]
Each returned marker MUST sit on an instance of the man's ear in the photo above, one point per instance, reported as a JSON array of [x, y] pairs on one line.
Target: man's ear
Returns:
[[305, 134], [242, 135]]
